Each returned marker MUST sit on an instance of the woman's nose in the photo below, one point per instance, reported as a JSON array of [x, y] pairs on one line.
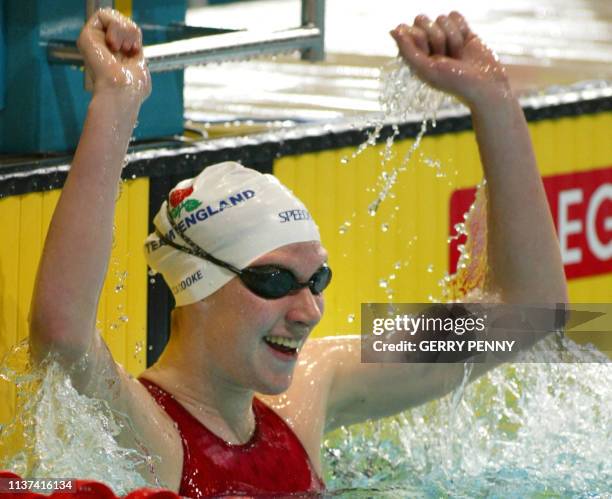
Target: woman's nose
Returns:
[[306, 308]]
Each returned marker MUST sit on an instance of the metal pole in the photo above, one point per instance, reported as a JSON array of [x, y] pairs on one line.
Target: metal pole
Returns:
[[92, 5], [313, 15], [237, 45], [201, 50]]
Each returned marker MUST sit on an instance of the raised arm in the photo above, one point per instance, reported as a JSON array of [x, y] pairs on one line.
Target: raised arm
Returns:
[[523, 253], [78, 244]]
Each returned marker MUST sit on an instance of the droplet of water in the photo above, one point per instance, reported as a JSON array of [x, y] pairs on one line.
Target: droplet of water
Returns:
[[351, 318], [384, 227], [344, 227], [430, 268], [121, 278], [383, 283], [459, 228], [138, 348]]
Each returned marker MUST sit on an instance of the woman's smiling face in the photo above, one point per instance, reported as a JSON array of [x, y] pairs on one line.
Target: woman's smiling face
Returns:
[[253, 342]]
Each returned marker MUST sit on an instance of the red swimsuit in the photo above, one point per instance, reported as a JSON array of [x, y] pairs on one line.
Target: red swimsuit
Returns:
[[272, 462]]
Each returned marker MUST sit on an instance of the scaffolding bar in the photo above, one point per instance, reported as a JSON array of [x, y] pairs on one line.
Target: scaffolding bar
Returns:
[[205, 49], [313, 15]]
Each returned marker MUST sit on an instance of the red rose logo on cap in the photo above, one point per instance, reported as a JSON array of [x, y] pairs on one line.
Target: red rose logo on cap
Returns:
[[177, 195], [178, 201]]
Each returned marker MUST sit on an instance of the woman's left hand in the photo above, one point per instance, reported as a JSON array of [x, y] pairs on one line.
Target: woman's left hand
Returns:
[[448, 56]]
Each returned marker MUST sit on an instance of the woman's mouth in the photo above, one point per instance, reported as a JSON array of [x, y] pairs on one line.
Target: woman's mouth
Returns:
[[285, 346]]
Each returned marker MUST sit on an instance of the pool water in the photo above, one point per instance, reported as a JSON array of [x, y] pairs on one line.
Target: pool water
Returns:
[[523, 430], [60, 433]]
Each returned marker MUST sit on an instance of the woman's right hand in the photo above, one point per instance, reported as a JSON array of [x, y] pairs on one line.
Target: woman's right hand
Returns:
[[111, 45]]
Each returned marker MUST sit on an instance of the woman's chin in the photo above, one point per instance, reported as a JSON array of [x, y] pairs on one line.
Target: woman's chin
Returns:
[[274, 385]]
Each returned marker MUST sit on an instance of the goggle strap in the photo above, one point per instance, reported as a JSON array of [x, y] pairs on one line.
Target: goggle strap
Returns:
[[193, 249]]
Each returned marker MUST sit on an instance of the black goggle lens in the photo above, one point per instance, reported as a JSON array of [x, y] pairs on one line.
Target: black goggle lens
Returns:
[[275, 282]]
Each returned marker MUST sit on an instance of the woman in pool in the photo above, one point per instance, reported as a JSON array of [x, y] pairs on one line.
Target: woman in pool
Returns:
[[245, 263]]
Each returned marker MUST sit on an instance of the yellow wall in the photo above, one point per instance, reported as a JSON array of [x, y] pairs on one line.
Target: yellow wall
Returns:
[[25, 220]]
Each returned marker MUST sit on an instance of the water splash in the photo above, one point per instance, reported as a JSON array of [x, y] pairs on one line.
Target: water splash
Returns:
[[61, 433], [469, 283], [402, 98], [403, 95], [434, 164], [523, 430]]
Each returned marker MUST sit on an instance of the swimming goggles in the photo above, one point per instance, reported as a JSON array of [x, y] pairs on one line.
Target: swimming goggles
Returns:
[[266, 281]]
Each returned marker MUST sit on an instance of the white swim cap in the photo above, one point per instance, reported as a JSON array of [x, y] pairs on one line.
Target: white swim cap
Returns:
[[234, 213]]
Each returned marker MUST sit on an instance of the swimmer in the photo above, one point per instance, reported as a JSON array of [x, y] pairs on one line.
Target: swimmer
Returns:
[[240, 399]]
